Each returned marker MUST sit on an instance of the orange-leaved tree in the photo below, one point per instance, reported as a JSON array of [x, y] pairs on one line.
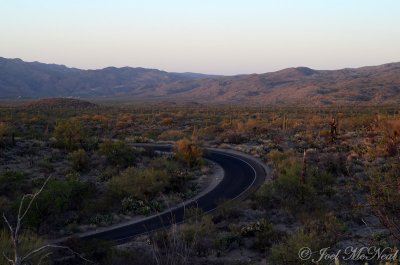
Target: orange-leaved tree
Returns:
[[189, 151]]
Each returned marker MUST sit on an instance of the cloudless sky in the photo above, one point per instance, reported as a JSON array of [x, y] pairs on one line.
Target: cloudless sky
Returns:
[[208, 36]]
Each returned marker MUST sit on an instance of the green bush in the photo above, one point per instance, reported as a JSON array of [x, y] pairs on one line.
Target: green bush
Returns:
[[200, 233], [384, 196], [79, 160], [142, 184], [322, 181], [287, 190], [287, 252], [327, 226], [107, 173], [58, 197], [319, 231], [130, 204], [102, 219], [70, 133], [118, 153]]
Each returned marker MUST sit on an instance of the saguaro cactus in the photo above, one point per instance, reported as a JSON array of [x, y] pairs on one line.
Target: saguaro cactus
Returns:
[[303, 176], [333, 125], [284, 123]]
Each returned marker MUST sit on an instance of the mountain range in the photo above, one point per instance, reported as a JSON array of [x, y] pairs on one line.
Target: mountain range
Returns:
[[372, 85]]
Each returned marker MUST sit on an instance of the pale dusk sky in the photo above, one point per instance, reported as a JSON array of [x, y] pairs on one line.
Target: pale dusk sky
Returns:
[[206, 36]]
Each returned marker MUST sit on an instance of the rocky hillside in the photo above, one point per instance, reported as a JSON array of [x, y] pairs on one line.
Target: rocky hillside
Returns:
[[367, 85], [362, 86], [35, 80]]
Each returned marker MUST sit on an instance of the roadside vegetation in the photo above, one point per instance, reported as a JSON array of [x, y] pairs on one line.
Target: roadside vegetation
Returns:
[[333, 180]]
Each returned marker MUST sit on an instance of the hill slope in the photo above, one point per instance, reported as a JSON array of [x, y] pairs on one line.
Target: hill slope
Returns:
[[366, 85], [23, 79]]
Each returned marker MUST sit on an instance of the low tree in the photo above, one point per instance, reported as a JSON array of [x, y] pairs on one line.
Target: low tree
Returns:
[[79, 159], [69, 133], [188, 151]]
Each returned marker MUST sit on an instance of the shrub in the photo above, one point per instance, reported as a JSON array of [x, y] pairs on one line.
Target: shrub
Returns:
[[69, 133], [173, 135], [118, 153], [167, 122], [328, 228], [287, 252], [231, 136], [200, 233], [390, 131], [102, 219], [287, 188], [143, 184], [140, 207], [267, 196], [188, 151], [319, 232], [384, 197], [107, 173], [264, 232], [59, 197], [79, 159], [322, 181]]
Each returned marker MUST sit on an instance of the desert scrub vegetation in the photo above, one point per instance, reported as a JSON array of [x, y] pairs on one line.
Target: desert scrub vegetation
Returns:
[[118, 153], [384, 197], [143, 184], [99, 186], [79, 159], [343, 191], [294, 184]]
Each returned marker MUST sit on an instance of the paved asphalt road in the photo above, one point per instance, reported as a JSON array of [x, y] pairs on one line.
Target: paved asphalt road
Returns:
[[242, 176]]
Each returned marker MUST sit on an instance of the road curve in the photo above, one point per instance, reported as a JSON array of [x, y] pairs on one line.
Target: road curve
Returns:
[[242, 176]]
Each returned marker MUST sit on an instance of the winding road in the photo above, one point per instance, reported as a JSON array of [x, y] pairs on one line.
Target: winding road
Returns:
[[242, 176]]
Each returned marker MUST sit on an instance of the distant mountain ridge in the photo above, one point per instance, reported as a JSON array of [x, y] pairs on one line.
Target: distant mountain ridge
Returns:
[[366, 85], [23, 79]]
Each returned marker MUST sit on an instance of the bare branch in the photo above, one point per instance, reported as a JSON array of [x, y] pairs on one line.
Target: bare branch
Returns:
[[22, 203], [9, 225], [44, 256], [7, 258], [33, 198], [38, 250]]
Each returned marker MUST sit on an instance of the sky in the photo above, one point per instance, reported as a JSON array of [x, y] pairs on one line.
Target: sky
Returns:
[[206, 36]]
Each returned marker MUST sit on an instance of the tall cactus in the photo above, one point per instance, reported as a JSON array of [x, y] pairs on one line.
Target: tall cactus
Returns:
[[284, 123], [303, 176]]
